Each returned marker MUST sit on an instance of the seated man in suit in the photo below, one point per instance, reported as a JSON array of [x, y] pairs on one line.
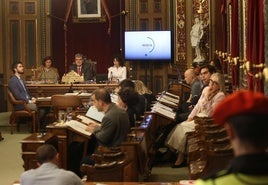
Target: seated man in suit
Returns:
[[48, 172], [187, 105], [20, 91], [82, 68]]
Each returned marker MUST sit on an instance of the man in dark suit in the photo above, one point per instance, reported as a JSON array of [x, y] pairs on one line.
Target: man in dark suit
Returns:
[[20, 91], [18, 88], [82, 68]]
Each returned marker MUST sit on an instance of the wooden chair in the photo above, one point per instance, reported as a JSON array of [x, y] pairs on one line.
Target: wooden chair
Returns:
[[111, 165], [62, 102], [15, 114]]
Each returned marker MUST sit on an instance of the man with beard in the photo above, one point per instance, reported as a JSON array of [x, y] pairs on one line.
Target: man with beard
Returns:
[[20, 91]]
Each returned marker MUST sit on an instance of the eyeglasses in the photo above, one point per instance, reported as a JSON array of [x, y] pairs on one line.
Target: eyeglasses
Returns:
[[213, 82]]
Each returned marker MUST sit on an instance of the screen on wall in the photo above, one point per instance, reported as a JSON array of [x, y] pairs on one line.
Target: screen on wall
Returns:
[[147, 45]]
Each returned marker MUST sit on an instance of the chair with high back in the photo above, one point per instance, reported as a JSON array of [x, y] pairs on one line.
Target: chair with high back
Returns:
[[15, 114], [62, 102]]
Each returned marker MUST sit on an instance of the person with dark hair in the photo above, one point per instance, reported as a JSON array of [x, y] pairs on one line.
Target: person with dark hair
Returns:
[[118, 71], [243, 114], [46, 72], [205, 73], [142, 103], [48, 171], [114, 126], [127, 99], [18, 88], [217, 64], [82, 68]]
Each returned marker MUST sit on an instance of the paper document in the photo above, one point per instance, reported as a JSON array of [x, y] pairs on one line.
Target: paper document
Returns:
[[95, 114], [78, 126], [173, 95], [164, 112], [86, 120]]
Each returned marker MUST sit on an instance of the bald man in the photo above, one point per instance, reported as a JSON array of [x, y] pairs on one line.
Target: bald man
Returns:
[[187, 105]]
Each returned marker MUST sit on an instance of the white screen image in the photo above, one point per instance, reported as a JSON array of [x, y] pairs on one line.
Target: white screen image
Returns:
[[147, 45]]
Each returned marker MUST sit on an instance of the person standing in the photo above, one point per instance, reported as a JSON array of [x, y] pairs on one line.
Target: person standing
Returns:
[[82, 68], [48, 171], [117, 72], [244, 115]]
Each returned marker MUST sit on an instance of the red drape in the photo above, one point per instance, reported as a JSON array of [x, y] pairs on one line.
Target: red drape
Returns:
[[255, 40], [235, 42], [224, 25]]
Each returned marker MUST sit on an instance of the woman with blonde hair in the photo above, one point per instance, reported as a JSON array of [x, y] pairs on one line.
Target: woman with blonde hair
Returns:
[[213, 94], [146, 92]]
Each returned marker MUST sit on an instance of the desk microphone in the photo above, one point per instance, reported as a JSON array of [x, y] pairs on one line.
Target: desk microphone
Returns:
[[71, 89]]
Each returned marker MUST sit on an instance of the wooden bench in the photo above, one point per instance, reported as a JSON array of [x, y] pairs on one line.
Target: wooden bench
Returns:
[[208, 148]]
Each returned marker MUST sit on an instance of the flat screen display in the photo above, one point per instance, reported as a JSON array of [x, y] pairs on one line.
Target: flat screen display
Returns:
[[147, 45]]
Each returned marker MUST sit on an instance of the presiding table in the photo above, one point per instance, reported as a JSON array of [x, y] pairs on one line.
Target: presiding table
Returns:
[[46, 90]]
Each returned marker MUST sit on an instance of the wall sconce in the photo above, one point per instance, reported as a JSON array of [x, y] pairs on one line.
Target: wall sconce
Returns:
[[265, 74]]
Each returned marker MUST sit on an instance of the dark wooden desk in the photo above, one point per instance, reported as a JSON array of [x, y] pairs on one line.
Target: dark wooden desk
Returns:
[[66, 136], [31, 143], [138, 147], [45, 90], [46, 101]]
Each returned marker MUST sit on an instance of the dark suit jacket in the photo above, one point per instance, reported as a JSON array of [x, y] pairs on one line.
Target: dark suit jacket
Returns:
[[86, 69], [18, 91]]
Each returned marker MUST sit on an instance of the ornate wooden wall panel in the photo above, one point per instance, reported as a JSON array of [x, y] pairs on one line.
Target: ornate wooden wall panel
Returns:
[[26, 33]]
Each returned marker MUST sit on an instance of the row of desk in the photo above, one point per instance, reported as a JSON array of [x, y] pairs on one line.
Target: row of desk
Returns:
[[61, 136]]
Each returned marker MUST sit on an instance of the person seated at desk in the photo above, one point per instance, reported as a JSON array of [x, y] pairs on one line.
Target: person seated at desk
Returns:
[[48, 171], [243, 114], [146, 92], [82, 68], [114, 126], [187, 104], [127, 99], [117, 72], [141, 105], [47, 73]]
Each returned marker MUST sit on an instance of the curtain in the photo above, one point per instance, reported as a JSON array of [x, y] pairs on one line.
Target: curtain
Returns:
[[255, 41]]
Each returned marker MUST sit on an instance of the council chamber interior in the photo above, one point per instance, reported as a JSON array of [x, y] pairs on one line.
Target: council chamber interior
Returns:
[[154, 37]]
